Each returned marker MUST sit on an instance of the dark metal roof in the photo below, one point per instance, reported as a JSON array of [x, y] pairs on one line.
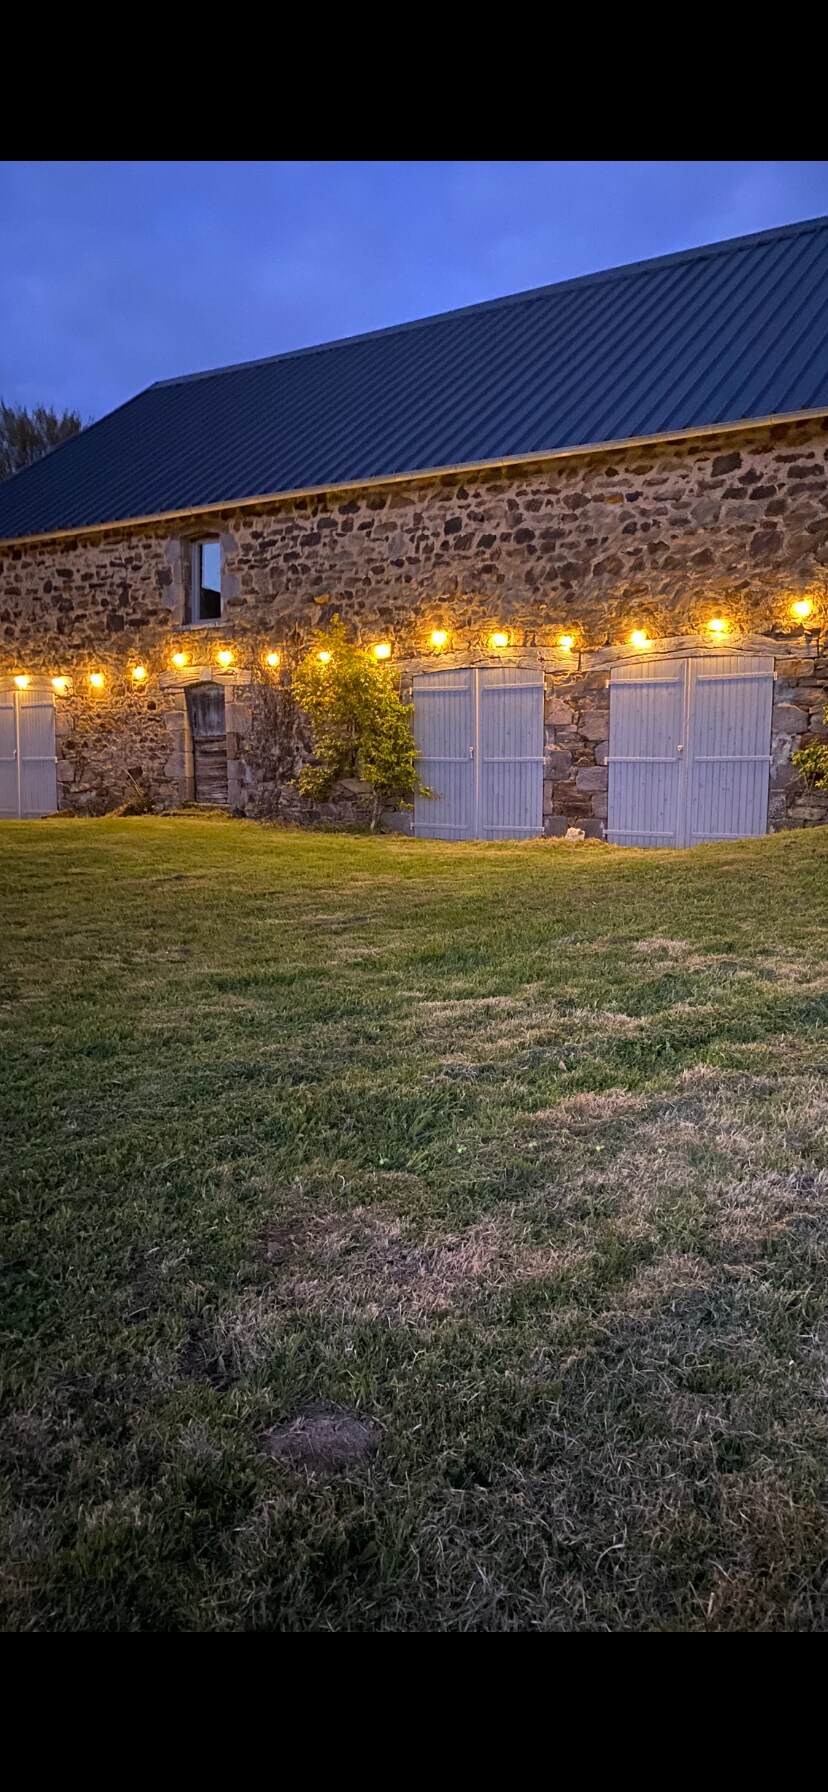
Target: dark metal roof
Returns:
[[734, 332]]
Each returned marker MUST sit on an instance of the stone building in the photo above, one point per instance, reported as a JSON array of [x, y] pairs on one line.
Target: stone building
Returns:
[[589, 522]]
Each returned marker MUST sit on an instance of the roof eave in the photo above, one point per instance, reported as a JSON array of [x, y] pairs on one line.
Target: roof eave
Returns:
[[460, 469]]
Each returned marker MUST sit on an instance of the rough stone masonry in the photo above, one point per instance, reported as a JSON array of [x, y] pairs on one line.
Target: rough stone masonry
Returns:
[[591, 545]]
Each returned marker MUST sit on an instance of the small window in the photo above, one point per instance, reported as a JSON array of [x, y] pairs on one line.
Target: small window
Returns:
[[205, 605]]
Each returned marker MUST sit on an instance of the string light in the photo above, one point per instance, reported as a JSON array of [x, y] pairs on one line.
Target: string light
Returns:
[[139, 673], [60, 684], [639, 637], [567, 642], [439, 637], [22, 680], [179, 659], [273, 659], [802, 608], [499, 638], [96, 679], [324, 657], [225, 657], [382, 650], [717, 625]]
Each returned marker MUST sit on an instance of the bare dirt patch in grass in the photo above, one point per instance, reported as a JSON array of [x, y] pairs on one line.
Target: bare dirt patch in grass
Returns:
[[322, 1444]]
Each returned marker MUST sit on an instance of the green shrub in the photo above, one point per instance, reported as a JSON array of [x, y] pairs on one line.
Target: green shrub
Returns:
[[812, 762], [360, 726]]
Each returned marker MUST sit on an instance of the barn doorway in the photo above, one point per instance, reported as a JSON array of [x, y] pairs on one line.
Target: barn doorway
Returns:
[[208, 730], [28, 766], [479, 730], [689, 749]]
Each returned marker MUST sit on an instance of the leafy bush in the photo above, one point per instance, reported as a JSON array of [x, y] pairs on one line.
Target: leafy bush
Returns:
[[361, 728], [812, 762]]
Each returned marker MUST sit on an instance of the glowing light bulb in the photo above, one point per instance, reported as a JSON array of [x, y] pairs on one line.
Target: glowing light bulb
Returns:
[[273, 659], [324, 657], [439, 637], [225, 657], [567, 642], [22, 680], [139, 673], [499, 639], [96, 679], [60, 684], [717, 625], [179, 659], [802, 608], [382, 650], [639, 637]]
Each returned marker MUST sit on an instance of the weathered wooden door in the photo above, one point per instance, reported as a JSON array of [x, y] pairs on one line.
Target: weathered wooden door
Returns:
[[689, 749], [205, 708], [480, 734], [28, 775]]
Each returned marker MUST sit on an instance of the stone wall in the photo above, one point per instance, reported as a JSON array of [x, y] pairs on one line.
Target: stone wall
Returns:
[[659, 538], [113, 746]]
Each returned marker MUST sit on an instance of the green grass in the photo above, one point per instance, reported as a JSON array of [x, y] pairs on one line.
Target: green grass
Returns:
[[520, 1153]]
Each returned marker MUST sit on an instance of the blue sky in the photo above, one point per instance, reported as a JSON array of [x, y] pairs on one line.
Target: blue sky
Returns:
[[115, 274]]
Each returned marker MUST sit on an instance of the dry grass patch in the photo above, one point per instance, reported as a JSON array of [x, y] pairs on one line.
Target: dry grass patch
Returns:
[[370, 1265]]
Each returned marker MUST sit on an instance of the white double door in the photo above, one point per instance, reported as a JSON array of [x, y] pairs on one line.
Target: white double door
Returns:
[[28, 774], [479, 730], [689, 749]]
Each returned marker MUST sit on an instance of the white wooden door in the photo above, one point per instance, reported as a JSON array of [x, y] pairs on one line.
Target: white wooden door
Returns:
[[730, 700], [444, 729], [509, 752], [28, 776], [689, 749], [647, 716], [480, 734]]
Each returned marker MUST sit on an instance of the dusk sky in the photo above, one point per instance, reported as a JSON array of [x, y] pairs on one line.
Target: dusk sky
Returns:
[[118, 274]]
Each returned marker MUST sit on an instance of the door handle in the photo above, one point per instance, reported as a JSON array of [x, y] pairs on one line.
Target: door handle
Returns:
[[471, 752], [680, 749]]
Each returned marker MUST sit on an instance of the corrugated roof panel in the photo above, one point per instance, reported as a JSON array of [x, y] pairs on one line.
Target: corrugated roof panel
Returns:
[[725, 334]]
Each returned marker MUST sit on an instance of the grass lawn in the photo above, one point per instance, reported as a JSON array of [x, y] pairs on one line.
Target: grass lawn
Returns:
[[516, 1155]]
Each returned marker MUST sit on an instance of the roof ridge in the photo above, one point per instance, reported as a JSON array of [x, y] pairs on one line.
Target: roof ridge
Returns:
[[623, 270]]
